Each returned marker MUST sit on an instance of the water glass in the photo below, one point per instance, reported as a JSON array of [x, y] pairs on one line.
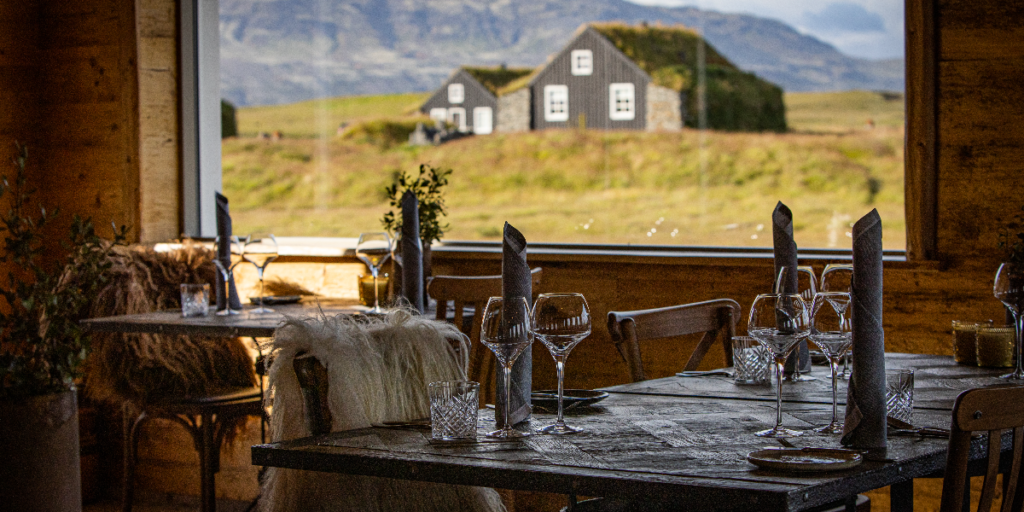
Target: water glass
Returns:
[[751, 361], [899, 394], [195, 300], [453, 409]]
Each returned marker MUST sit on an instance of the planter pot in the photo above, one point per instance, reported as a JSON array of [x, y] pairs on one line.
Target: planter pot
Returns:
[[40, 471]]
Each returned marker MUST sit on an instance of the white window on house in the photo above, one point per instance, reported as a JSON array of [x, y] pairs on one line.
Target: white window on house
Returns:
[[556, 103], [457, 117], [582, 62], [439, 114], [483, 120], [456, 93], [621, 102]]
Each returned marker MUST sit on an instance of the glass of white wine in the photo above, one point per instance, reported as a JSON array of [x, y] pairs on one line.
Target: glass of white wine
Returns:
[[260, 250], [374, 249]]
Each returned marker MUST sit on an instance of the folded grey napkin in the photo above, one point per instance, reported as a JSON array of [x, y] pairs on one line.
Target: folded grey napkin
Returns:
[[865, 426], [224, 255], [516, 281], [412, 251], [785, 256]]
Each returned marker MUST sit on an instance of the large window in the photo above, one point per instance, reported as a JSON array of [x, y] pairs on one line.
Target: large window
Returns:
[[642, 134]]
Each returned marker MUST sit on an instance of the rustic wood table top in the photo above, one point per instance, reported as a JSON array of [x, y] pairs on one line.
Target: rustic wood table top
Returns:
[[680, 439]]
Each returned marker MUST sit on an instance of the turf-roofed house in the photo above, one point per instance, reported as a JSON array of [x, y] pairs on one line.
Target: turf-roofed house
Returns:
[[468, 99]]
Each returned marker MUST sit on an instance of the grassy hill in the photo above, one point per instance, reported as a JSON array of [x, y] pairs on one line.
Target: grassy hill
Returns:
[[687, 188]]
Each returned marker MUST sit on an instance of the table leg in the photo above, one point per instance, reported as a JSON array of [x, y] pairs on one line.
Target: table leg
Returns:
[[901, 496]]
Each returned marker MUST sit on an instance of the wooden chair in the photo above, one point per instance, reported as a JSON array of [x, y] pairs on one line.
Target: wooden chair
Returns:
[[472, 292], [715, 318], [997, 410]]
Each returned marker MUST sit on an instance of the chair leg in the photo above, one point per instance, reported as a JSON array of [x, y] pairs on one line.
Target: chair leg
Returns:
[[208, 465], [131, 449]]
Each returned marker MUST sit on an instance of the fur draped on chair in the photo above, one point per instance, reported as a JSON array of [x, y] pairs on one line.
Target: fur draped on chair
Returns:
[[142, 368], [378, 371]]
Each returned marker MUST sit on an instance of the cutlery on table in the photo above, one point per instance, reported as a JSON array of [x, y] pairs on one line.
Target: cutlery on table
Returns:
[[708, 373]]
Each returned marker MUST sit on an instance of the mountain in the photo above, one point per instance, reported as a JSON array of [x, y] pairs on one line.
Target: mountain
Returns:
[[280, 51]]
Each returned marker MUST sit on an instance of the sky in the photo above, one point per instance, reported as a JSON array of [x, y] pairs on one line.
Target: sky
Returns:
[[871, 29]]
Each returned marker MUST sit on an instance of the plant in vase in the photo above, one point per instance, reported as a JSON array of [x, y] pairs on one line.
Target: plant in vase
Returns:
[[1009, 282], [428, 186], [42, 344]]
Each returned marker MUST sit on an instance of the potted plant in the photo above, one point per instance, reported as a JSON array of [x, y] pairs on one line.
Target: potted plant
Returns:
[[42, 347], [428, 186]]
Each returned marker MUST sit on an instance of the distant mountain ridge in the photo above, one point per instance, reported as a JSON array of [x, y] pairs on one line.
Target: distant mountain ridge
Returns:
[[281, 51]]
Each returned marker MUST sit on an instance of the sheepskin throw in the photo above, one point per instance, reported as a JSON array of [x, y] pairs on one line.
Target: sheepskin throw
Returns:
[[378, 370], [143, 368]]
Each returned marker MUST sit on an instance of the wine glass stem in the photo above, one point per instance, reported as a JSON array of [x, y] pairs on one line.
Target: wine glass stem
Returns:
[[259, 272], [508, 395], [560, 369], [227, 290], [376, 304], [1018, 325], [833, 363], [779, 369]]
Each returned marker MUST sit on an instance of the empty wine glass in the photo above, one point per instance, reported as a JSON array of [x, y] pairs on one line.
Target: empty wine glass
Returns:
[[260, 250], [374, 249], [560, 321], [806, 287], [235, 248], [837, 277], [1009, 289], [830, 331], [506, 331], [778, 322]]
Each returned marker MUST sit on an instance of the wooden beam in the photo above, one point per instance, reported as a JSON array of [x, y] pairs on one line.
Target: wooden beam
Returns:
[[921, 155]]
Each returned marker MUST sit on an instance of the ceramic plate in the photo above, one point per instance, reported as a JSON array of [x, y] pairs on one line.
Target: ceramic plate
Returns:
[[805, 459], [548, 398], [277, 300]]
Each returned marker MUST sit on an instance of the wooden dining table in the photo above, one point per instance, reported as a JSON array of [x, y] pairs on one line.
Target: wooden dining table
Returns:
[[675, 440]]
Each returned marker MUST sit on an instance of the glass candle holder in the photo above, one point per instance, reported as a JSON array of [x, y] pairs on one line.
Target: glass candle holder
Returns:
[[965, 338], [366, 289], [995, 346]]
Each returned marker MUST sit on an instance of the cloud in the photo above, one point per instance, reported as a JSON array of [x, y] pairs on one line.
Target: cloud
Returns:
[[846, 17]]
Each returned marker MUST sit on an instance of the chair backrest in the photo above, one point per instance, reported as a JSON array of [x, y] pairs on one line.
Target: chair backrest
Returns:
[[995, 410], [715, 318], [472, 292]]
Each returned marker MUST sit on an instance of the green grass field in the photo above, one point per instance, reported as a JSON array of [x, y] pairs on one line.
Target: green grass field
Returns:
[[686, 188]]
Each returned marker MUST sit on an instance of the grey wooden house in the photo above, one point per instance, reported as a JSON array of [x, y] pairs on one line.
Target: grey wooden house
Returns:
[[468, 98]]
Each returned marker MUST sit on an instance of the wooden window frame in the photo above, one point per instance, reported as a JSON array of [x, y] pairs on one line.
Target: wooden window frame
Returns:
[[613, 105], [921, 153], [456, 99], [549, 115], [578, 70]]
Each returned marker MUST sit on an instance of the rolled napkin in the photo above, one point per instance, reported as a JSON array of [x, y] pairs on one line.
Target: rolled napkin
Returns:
[[412, 251], [516, 281], [785, 256], [224, 255], [865, 426]]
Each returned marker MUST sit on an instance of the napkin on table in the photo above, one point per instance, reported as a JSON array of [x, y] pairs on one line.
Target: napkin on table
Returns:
[[786, 256], [865, 426], [224, 255], [412, 251], [516, 281]]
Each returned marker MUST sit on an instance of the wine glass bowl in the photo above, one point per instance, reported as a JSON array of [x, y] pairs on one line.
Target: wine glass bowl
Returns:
[[506, 331], [260, 250], [1009, 289], [779, 322], [831, 331], [235, 249], [806, 287], [374, 249], [560, 321]]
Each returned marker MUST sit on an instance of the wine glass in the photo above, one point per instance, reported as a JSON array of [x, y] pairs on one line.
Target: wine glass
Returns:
[[374, 249], [779, 322], [830, 331], [1009, 289], [260, 250], [506, 331], [235, 250], [837, 277], [806, 288], [560, 321]]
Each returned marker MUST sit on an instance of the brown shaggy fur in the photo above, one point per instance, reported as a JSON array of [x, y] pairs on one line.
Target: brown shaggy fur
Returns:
[[144, 368]]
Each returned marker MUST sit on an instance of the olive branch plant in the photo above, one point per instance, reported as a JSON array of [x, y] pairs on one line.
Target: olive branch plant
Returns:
[[428, 186]]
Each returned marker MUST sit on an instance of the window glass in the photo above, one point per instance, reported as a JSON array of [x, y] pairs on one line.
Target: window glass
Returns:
[[622, 102], [556, 103]]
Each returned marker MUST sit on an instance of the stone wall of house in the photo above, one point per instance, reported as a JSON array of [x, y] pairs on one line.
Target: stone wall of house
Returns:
[[664, 109], [514, 112]]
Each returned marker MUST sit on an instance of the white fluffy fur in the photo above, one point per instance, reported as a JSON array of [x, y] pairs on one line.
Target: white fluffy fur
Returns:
[[378, 371]]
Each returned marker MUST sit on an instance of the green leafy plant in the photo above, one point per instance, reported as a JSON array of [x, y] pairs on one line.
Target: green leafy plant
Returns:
[[428, 187], [42, 344], [1011, 239]]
